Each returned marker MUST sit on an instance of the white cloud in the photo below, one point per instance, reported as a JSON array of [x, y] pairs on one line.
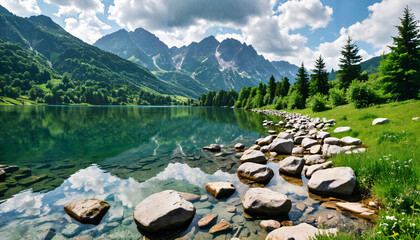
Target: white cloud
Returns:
[[296, 14], [23, 8], [83, 22]]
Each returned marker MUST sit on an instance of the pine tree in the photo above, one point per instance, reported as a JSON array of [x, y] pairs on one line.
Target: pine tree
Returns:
[[272, 88], [285, 85], [302, 82], [401, 67], [319, 80], [349, 64]]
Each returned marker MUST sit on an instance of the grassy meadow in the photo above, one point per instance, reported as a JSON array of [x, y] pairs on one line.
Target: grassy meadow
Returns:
[[389, 171]]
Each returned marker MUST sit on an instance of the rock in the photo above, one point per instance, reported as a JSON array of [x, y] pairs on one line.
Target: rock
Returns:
[[213, 147], [308, 142], [353, 207], [71, 230], [207, 221], [298, 150], [255, 147], [372, 204], [87, 210], [47, 234], [220, 189], [222, 226], [342, 129], [298, 139], [272, 131], [286, 223], [282, 146], [265, 141], [10, 169], [231, 209], [314, 159], [189, 196], [2, 175], [380, 121], [322, 135], [263, 201], [203, 198], [273, 154], [333, 181], [302, 231], [31, 180], [330, 150], [265, 148], [83, 237], [254, 156], [291, 165], [256, 172], [332, 141], [415, 118], [317, 167], [285, 135], [315, 149], [350, 141], [162, 211], [270, 225], [239, 146], [301, 206]]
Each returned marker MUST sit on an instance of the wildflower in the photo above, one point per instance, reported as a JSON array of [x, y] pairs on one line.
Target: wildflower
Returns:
[[391, 217], [390, 155], [405, 165]]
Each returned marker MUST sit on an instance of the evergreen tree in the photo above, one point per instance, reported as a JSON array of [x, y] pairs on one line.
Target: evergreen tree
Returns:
[[302, 82], [349, 64], [272, 88], [319, 80], [285, 85], [401, 67], [278, 89]]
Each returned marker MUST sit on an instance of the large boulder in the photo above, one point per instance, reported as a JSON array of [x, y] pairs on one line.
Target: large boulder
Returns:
[[87, 210], [254, 156], [309, 142], [313, 159], [291, 165], [282, 146], [265, 141], [330, 150], [256, 172], [342, 129], [263, 201], [350, 141], [302, 231], [380, 121], [162, 211], [220, 189], [333, 181]]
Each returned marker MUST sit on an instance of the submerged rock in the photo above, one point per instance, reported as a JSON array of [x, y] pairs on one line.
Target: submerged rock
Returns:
[[189, 196], [2, 175], [256, 172], [87, 210], [354, 207], [207, 221], [162, 211], [213, 147], [302, 231], [333, 181], [221, 226], [263, 201], [220, 189]]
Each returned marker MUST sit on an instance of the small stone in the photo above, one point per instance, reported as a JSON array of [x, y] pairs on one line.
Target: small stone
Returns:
[[313, 159], [83, 237], [204, 198], [353, 207], [47, 234], [189, 196], [231, 209], [239, 146], [315, 149], [342, 129], [298, 151], [415, 118], [220, 189], [270, 225], [272, 131], [350, 141], [299, 232], [207, 221], [221, 226], [332, 141], [71, 230], [380, 121], [372, 204], [308, 142], [265, 141], [87, 210], [213, 147], [291, 165], [301, 206], [286, 223], [256, 172]]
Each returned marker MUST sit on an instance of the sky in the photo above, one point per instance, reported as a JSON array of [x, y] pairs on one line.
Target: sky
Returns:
[[297, 31]]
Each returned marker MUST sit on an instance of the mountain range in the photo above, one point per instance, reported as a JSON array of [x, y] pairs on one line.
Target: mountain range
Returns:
[[209, 63]]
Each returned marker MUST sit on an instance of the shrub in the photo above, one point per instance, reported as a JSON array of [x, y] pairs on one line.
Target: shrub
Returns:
[[295, 101], [367, 116], [278, 103], [317, 103], [337, 97], [360, 94], [343, 118]]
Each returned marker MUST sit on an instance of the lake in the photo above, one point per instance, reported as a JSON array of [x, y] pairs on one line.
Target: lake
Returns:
[[123, 155]]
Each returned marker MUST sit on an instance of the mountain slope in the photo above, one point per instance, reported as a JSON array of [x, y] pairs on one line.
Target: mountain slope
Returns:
[[371, 65], [81, 60], [213, 64]]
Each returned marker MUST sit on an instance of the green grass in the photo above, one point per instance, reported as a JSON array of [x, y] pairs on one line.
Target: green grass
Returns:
[[389, 170]]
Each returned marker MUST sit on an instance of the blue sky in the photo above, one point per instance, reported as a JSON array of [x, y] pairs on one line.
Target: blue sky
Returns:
[[293, 30]]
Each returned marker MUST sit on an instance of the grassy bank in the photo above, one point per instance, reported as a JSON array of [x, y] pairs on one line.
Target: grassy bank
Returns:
[[390, 170]]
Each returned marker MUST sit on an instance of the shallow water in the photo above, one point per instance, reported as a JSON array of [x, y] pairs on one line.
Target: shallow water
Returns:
[[125, 154]]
